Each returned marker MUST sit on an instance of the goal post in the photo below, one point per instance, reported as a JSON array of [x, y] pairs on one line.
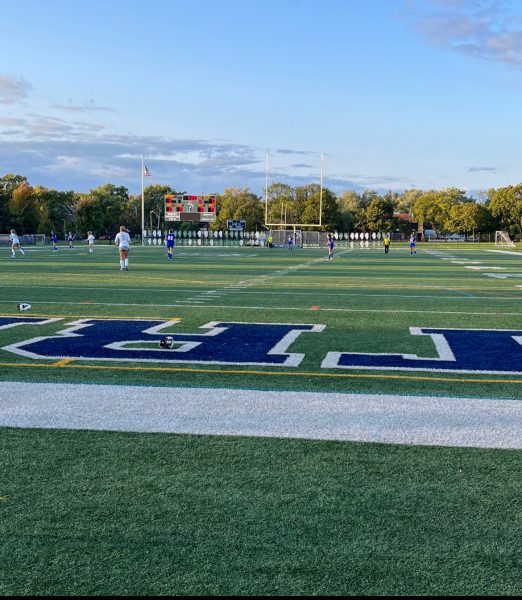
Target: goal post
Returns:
[[502, 239]]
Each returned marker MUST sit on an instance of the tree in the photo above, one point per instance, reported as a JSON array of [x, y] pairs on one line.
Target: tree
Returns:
[[331, 215], [281, 199], [8, 183], [505, 204], [467, 217], [54, 208], [113, 202], [88, 214], [23, 210], [378, 216], [240, 204], [434, 207]]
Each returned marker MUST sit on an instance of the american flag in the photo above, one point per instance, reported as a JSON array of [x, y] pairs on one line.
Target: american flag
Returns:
[[146, 172]]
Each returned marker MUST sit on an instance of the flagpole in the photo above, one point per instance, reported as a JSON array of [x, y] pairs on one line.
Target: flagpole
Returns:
[[142, 200]]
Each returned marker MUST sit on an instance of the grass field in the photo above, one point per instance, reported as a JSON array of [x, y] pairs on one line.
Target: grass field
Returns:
[[252, 476]]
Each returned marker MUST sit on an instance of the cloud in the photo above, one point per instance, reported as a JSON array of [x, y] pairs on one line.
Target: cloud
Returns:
[[485, 29], [81, 155], [478, 169], [13, 89], [85, 108]]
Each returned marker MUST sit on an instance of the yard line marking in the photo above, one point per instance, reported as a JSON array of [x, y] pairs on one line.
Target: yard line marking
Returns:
[[397, 419], [481, 268], [506, 252], [288, 308]]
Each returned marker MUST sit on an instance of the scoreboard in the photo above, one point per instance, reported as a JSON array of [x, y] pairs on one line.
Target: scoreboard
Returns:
[[200, 209]]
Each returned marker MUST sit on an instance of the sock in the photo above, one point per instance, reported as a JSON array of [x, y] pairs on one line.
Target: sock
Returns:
[[21, 250], [122, 264], [126, 262]]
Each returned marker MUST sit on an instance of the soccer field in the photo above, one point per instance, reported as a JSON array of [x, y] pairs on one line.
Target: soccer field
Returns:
[[317, 427]]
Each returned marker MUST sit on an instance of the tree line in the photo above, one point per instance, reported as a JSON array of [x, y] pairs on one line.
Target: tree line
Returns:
[[36, 209]]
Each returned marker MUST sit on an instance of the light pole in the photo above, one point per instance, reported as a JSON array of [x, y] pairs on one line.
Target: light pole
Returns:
[[266, 187], [321, 191]]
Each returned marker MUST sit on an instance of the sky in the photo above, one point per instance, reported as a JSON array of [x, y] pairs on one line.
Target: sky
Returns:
[[215, 94]]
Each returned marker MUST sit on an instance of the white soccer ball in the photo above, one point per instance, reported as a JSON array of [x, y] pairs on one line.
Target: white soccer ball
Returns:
[[23, 306]]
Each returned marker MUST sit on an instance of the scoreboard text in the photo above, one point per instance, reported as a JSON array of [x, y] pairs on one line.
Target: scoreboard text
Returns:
[[190, 208]]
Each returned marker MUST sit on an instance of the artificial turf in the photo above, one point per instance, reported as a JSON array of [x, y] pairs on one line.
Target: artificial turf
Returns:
[[105, 513]]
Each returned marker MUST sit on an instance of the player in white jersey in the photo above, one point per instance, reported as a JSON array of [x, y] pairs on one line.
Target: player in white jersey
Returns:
[[122, 240], [15, 243], [90, 241]]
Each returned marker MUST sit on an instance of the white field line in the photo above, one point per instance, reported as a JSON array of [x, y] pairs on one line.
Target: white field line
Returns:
[[247, 283], [391, 419], [245, 291], [190, 303], [506, 252]]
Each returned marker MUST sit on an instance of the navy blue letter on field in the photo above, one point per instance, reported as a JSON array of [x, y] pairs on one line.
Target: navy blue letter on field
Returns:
[[124, 340], [460, 350]]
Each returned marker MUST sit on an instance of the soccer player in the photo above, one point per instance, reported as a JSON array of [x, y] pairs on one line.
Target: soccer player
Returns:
[[90, 241], [412, 244], [386, 242], [55, 241], [330, 245], [70, 238], [122, 240], [15, 244], [170, 243], [290, 242]]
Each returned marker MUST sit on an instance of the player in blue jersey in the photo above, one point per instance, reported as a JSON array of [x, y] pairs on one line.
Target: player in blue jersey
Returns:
[[170, 240], [412, 244], [330, 244], [55, 241], [290, 242]]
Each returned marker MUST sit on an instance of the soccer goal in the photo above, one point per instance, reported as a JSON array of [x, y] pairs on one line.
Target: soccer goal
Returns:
[[503, 239], [280, 237]]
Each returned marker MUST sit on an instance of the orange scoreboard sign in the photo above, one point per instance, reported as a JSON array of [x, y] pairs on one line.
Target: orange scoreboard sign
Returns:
[[190, 208]]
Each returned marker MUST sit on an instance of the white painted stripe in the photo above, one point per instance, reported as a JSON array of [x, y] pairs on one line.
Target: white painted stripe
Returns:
[[486, 267], [440, 421]]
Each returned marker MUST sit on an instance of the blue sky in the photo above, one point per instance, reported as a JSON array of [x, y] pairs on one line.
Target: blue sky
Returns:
[[396, 94]]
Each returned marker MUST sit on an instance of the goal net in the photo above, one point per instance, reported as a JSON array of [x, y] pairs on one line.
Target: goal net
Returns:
[[280, 237], [503, 239]]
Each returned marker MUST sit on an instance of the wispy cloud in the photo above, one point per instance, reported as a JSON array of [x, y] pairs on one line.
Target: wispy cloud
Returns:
[[13, 89], [90, 106], [486, 29], [479, 169]]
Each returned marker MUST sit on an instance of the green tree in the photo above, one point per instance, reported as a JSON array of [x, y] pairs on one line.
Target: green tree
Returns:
[[331, 215], [8, 183], [240, 204], [505, 204], [113, 202], [281, 200], [23, 209], [88, 215], [467, 217], [378, 215], [54, 208]]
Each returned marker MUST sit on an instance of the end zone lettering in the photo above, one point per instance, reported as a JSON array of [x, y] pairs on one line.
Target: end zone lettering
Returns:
[[491, 351], [487, 351], [127, 341]]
